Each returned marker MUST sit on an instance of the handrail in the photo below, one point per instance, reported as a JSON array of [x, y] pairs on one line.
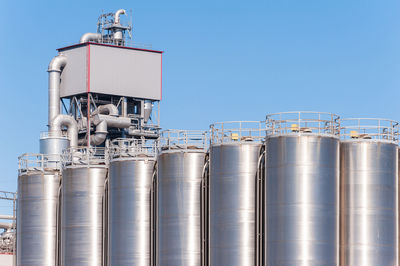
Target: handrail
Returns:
[[38, 162], [174, 139], [7, 195], [370, 128], [237, 131], [128, 148], [48, 134], [84, 156], [303, 122]]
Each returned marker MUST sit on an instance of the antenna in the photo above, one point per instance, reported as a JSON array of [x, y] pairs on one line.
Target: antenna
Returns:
[[130, 30]]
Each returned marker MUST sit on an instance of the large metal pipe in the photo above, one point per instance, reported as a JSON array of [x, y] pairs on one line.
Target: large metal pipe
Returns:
[[117, 14], [72, 126], [112, 121], [101, 125], [98, 137], [55, 67], [102, 122], [89, 36], [124, 107], [107, 109]]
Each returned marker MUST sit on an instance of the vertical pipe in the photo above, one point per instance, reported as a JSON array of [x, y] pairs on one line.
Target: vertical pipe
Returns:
[[204, 213], [88, 120], [15, 229], [88, 93], [124, 107], [54, 69], [105, 222], [259, 209], [58, 227], [153, 217]]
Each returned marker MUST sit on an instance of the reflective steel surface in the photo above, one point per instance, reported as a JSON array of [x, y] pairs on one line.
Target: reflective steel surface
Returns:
[[179, 187], [37, 218], [369, 218], [302, 195], [130, 184], [233, 169], [82, 216], [53, 145]]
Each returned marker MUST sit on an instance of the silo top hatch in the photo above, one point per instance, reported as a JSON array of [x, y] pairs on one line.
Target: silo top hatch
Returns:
[[303, 123], [112, 70]]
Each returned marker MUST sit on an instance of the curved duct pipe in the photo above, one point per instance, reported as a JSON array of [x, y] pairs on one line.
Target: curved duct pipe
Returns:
[[89, 36], [98, 137], [112, 121], [117, 14], [107, 109], [70, 123], [55, 67], [102, 122]]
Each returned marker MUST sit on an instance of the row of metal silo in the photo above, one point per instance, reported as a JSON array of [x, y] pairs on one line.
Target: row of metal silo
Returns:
[[301, 188]]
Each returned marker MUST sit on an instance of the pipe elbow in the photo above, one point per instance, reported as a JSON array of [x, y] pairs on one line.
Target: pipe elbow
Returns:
[[72, 128], [57, 63], [89, 36], [117, 15], [98, 137], [107, 109]]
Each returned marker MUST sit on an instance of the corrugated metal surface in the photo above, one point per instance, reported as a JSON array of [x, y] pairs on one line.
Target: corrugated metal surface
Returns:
[[130, 184], [233, 169], [37, 218], [179, 220], [369, 220], [111, 70], [302, 196], [82, 216]]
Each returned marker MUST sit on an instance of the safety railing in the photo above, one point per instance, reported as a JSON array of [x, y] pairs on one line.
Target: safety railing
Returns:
[[84, 156], [128, 148], [370, 128], [47, 134], [38, 162], [237, 131], [174, 139], [303, 122]]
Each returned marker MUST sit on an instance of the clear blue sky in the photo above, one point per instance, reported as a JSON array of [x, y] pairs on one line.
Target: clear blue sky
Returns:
[[223, 60]]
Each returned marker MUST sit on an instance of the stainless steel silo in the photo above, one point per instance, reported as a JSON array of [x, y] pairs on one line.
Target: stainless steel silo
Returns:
[[129, 205], [234, 155], [84, 174], [302, 189], [369, 192], [180, 166], [38, 188]]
